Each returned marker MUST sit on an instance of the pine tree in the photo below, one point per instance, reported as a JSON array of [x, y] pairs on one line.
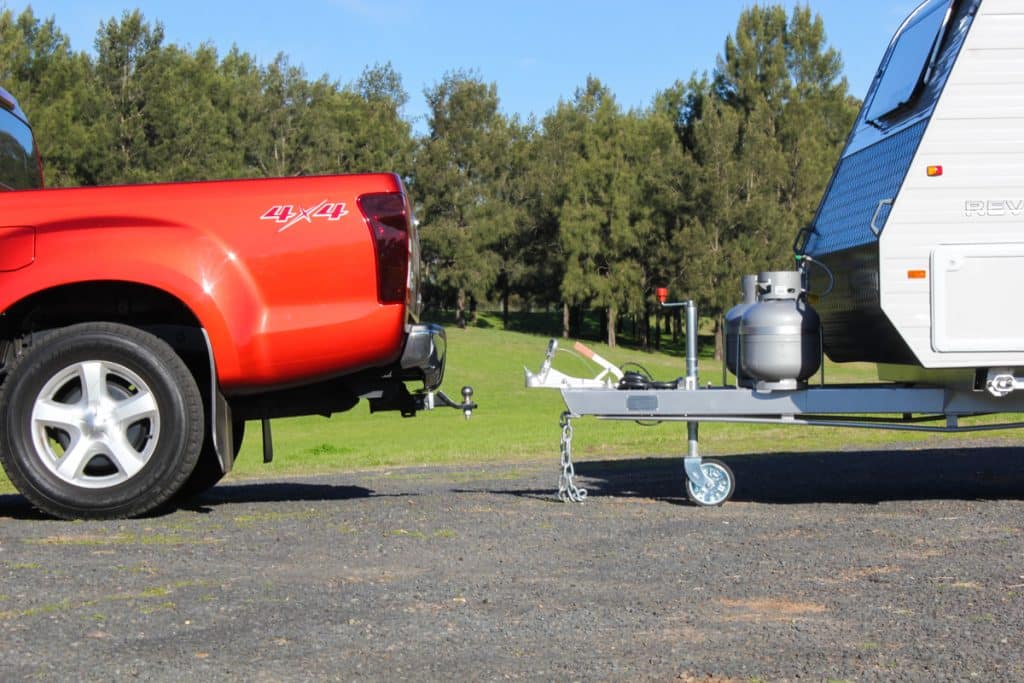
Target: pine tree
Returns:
[[53, 86], [764, 133], [603, 220], [458, 167]]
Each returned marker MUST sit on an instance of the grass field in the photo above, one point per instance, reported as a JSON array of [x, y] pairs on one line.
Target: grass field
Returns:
[[514, 423]]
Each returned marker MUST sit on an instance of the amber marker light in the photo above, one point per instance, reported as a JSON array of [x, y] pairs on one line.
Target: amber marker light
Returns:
[[934, 171], [917, 274]]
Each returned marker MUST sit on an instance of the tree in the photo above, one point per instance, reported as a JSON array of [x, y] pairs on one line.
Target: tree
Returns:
[[515, 211], [375, 136], [754, 63], [788, 67], [603, 219], [241, 98], [763, 133], [712, 236], [282, 118], [130, 71], [189, 133], [459, 170], [52, 84], [667, 175]]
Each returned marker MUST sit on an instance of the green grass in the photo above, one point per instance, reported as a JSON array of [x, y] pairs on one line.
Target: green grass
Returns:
[[517, 424]]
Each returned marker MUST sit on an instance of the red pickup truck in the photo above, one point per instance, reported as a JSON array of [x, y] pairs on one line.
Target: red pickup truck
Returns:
[[140, 326]]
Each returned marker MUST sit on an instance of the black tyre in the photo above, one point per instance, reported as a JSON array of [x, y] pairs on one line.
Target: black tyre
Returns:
[[208, 472], [99, 420]]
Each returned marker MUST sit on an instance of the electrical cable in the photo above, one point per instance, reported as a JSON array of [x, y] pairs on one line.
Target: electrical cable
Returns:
[[804, 258], [641, 380]]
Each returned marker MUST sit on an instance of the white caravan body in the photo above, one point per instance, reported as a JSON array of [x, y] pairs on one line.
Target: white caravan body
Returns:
[[923, 220]]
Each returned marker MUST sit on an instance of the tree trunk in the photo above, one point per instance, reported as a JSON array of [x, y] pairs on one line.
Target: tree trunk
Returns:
[[565, 320], [460, 309], [645, 330], [613, 316], [504, 308], [657, 330], [719, 345]]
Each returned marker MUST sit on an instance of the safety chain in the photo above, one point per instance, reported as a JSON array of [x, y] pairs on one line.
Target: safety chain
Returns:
[[567, 489]]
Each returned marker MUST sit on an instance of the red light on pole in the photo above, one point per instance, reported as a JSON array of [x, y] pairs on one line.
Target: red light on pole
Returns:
[[662, 294]]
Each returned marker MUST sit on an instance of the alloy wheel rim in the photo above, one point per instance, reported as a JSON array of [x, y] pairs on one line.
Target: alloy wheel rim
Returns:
[[95, 424]]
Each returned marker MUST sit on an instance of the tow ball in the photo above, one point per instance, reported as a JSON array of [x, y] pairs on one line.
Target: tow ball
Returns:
[[434, 399]]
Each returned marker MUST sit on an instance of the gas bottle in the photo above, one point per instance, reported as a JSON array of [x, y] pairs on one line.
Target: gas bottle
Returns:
[[733, 318], [780, 335]]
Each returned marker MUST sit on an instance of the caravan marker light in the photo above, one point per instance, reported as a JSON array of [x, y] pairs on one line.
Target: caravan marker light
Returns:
[[934, 171], [917, 274]]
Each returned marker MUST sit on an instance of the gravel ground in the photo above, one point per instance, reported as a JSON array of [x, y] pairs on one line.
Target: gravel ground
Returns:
[[858, 566]]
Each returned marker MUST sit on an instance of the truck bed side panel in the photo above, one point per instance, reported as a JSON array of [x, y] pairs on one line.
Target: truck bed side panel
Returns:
[[281, 273]]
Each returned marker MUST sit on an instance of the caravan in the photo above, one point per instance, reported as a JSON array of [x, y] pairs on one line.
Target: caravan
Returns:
[[913, 261], [922, 224]]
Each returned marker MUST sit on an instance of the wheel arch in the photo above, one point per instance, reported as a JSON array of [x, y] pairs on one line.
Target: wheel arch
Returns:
[[117, 301], [88, 377], [139, 305]]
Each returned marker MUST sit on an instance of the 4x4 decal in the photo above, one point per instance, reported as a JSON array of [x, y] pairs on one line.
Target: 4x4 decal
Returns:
[[289, 215]]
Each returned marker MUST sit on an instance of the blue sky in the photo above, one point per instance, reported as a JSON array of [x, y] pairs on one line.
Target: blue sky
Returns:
[[536, 51]]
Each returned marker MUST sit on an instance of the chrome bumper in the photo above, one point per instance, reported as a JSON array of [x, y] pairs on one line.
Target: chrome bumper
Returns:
[[425, 348]]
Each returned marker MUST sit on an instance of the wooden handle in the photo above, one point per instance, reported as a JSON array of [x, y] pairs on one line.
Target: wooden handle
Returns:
[[583, 350]]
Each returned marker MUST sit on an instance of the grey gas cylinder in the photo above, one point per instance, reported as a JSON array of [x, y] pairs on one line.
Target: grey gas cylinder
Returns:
[[780, 344], [733, 318]]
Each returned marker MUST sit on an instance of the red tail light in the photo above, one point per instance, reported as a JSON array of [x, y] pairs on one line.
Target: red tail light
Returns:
[[387, 216]]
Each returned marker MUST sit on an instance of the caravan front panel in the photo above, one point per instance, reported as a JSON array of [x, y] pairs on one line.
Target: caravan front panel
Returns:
[[933, 169]]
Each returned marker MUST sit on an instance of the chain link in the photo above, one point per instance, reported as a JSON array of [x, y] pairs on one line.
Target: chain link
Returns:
[[567, 489]]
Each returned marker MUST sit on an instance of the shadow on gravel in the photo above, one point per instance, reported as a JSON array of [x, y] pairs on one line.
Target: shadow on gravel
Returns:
[[278, 492], [16, 507], [13, 506], [985, 473], [847, 477]]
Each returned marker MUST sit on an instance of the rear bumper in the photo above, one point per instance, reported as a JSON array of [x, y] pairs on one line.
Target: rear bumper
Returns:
[[423, 358]]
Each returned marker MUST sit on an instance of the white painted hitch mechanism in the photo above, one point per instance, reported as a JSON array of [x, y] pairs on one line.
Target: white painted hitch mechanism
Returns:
[[549, 378]]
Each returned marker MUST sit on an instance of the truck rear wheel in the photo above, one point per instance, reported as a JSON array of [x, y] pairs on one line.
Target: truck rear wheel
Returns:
[[99, 420]]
